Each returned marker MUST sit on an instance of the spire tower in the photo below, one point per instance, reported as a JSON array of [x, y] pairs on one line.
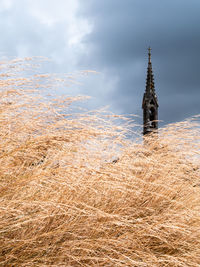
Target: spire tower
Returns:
[[150, 101]]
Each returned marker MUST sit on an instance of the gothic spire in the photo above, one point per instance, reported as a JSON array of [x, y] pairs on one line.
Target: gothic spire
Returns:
[[149, 54], [150, 78], [150, 101]]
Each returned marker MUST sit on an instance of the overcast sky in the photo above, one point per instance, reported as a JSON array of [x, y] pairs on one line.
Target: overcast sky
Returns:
[[112, 37]]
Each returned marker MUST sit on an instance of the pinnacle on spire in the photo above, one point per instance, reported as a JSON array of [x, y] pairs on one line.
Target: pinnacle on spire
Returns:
[[149, 54], [150, 78]]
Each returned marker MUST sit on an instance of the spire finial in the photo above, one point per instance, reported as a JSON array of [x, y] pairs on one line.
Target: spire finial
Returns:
[[149, 54]]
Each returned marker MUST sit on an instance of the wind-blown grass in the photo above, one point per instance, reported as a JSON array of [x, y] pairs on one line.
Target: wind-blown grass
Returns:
[[64, 201]]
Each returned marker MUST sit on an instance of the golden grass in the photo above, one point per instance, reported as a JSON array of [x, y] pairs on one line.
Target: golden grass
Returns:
[[64, 202]]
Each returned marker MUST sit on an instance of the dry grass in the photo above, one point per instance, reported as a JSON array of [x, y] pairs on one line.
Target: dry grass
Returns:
[[65, 203]]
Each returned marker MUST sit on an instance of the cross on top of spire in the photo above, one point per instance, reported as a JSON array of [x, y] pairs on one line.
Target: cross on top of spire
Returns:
[[149, 54]]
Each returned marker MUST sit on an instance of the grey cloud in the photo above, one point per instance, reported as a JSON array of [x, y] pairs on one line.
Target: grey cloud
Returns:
[[117, 47], [23, 35], [122, 31]]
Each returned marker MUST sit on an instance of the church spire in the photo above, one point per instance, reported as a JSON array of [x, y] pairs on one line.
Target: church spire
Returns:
[[150, 78], [150, 101], [149, 54]]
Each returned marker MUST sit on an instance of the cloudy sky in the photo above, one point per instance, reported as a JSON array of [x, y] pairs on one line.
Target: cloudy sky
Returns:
[[112, 37]]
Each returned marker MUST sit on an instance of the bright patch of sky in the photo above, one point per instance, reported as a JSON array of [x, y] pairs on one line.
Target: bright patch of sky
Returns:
[[52, 12], [5, 4]]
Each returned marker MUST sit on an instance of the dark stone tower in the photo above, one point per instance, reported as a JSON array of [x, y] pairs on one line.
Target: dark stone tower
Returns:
[[150, 102]]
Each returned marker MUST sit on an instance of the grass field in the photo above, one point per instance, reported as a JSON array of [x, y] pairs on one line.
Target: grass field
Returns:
[[66, 201]]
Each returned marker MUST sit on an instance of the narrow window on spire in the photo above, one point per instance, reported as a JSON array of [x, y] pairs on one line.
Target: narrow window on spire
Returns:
[[152, 117]]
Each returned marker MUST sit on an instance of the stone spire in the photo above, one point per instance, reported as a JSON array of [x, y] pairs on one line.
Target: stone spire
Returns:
[[150, 102], [150, 79]]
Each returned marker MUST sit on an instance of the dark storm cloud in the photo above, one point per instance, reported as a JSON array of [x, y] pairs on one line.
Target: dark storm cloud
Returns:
[[117, 46]]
